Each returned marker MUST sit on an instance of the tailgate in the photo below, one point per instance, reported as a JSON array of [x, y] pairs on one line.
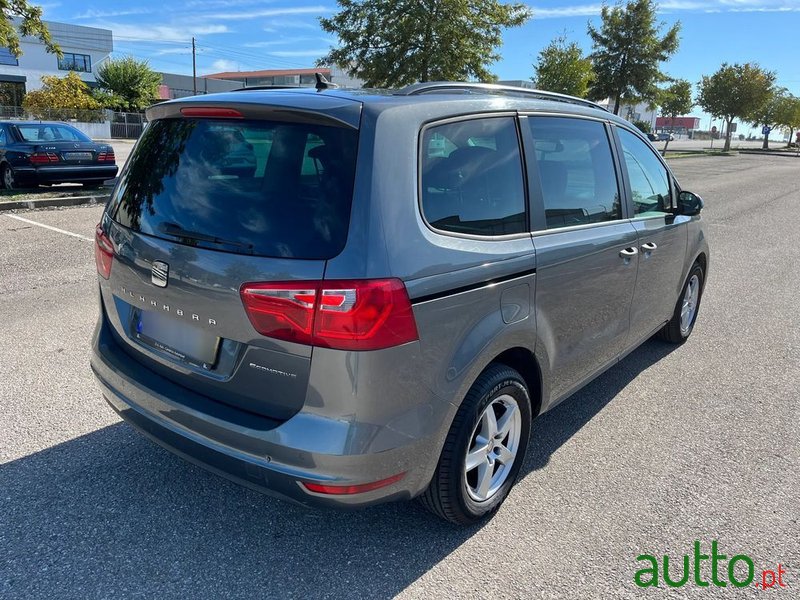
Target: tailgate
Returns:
[[203, 206]]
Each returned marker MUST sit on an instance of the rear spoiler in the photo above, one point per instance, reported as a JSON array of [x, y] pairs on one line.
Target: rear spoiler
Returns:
[[274, 106]]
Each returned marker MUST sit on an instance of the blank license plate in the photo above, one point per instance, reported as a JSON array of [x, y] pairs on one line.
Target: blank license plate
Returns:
[[78, 155], [176, 338]]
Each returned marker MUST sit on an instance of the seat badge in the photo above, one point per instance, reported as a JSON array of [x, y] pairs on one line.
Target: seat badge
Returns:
[[159, 274]]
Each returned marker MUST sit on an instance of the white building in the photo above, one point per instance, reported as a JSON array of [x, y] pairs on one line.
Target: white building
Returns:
[[634, 112], [84, 49]]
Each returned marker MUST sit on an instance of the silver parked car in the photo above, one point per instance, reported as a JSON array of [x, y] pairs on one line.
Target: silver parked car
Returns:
[[350, 297]]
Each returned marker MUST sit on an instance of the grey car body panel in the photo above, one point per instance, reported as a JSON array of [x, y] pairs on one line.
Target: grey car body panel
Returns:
[[564, 298]]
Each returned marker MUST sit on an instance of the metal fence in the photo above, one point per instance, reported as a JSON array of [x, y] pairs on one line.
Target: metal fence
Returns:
[[127, 125], [55, 114], [123, 125]]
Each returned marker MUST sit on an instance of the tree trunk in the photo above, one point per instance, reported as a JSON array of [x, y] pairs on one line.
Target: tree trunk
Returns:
[[664, 153], [791, 133], [727, 147], [616, 103]]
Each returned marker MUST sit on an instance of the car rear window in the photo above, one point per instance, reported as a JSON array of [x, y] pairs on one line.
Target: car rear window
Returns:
[[266, 188], [43, 132]]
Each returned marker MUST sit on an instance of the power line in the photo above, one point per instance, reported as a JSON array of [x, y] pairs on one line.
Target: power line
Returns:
[[260, 58]]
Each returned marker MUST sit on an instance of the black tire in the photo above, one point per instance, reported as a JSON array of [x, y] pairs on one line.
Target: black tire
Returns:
[[672, 331], [7, 177], [447, 494]]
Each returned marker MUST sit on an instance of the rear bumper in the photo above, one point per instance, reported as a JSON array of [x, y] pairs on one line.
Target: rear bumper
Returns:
[[270, 456], [64, 174]]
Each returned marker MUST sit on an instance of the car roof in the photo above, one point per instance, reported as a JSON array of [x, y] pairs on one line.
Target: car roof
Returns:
[[438, 99], [35, 123]]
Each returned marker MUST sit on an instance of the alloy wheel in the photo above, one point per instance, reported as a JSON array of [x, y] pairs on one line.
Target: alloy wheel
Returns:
[[689, 306], [493, 448]]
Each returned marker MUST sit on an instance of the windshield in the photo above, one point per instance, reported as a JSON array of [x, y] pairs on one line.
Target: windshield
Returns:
[[267, 188], [45, 132]]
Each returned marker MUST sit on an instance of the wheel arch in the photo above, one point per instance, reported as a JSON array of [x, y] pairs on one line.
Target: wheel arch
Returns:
[[524, 362]]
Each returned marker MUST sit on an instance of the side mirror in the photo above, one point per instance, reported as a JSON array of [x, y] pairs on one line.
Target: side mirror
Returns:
[[689, 204]]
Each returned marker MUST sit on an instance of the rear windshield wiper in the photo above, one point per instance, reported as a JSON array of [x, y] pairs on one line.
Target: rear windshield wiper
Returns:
[[176, 230]]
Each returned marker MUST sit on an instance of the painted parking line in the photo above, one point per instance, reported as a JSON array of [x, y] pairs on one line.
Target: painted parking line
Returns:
[[51, 228]]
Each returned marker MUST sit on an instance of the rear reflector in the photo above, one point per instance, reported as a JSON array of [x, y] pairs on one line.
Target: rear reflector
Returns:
[[340, 490], [344, 314], [211, 112], [43, 158], [103, 252]]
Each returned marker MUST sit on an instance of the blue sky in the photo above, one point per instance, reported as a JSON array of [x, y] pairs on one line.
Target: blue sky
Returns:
[[263, 34]]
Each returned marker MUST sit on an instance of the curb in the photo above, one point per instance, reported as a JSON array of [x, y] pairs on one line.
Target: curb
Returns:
[[53, 202], [768, 153]]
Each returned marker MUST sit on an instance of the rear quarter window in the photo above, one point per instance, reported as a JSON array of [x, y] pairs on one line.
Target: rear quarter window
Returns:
[[471, 179], [265, 188]]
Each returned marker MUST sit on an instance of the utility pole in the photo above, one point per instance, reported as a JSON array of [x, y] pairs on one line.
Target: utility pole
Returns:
[[194, 68]]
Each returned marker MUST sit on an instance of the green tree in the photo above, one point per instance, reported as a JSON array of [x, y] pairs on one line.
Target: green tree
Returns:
[[30, 25], [129, 84], [628, 51], [735, 91], [60, 98], [563, 68], [391, 43], [675, 100], [642, 126], [788, 117], [767, 115]]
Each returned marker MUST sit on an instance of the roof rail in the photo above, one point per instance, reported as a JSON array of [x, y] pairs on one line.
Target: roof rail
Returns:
[[434, 87], [266, 87]]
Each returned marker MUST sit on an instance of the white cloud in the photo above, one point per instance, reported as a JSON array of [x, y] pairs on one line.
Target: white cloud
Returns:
[[160, 33], [223, 64], [278, 24], [201, 4], [584, 10], [102, 14], [165, 51], [270, 12], [299, 52], [289, 41], [589, 10]]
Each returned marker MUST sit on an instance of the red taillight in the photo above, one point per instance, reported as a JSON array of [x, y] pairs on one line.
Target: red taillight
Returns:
[[211, 112], [107, 156], [338, 490], [103, 253], [43, 158], [345, 314]]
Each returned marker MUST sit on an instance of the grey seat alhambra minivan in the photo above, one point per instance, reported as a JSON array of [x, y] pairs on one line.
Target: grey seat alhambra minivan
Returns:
[[349, 297]]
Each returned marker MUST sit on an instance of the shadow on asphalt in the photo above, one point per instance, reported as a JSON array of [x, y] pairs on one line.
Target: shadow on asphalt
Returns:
[[110, 514]]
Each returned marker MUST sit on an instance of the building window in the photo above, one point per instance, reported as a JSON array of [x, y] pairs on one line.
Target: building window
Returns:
[[75, 62], [11, 95], [6, 58]]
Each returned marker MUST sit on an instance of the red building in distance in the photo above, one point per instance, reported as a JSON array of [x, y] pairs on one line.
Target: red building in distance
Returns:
[[678, 124]]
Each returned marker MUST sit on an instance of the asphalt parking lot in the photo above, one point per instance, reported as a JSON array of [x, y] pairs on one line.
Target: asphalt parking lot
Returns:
[[669, 447]]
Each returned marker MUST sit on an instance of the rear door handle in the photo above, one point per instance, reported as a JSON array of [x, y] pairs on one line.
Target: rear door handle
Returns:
[[628, 252], [649, 246]]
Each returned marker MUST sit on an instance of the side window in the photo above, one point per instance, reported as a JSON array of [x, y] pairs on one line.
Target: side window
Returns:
[[576, 171], [648, 177], [472, 177], [3, 137]]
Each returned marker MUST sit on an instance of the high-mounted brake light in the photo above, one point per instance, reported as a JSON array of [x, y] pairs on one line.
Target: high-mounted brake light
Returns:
[[211, 112], [340, 490], [345, 314], [103, 252]]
